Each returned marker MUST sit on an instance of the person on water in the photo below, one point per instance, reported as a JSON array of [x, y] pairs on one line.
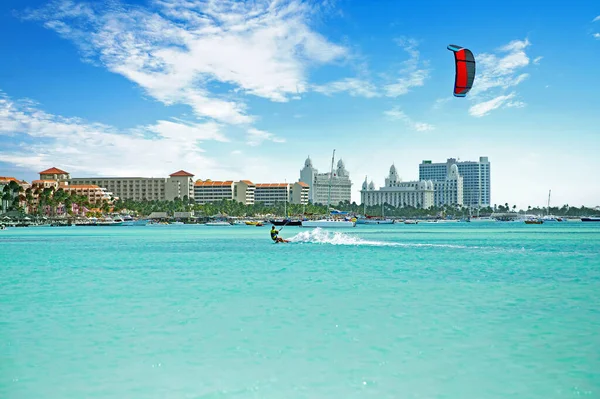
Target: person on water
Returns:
[[274, 235]]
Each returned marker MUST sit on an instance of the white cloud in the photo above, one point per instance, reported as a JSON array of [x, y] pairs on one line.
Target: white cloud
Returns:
[[484, 108], [414, 72], [356, 87], [440, 102], [596, 19], [498, 72], [42, 140], [176, 49], [501, 71], [256, 137], [596, 35], [397, 114]]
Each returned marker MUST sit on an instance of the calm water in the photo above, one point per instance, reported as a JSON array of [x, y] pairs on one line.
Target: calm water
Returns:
[[400, 311]]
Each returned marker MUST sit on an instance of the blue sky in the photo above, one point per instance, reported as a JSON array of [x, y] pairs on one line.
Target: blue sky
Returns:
[[230, 90]]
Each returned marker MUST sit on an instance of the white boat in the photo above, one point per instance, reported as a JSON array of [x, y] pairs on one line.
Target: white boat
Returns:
[[108, 222], [374, 221], [482, 219], [551, 218], [177, 223], [218, 224]]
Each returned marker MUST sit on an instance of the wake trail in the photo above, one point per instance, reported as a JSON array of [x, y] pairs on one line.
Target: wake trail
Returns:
[[320, 236]]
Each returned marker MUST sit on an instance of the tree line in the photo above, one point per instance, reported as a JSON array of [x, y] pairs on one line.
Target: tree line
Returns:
[[238, 209], [50, 199]]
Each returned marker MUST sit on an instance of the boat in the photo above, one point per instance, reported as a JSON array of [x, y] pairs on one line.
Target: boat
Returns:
[[177, 223], [534, 221], [409, 221], [218, 223], [550, 218], [286, 222], [591, 219], [108, 222], [482, 219], [373, 219], [329, 221]]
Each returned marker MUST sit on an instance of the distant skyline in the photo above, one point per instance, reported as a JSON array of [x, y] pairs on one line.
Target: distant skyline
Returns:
[[231, 90]]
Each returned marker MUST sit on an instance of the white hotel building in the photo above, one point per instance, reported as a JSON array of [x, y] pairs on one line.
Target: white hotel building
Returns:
[[341, 186], [419, 194], [450, 190]]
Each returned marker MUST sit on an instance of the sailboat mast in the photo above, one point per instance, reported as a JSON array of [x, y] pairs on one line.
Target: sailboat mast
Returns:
[[365, 200], [287, 190], [548, 211], [330, 179]]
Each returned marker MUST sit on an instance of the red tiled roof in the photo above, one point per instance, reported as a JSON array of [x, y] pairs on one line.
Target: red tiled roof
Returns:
[[43, 181], [53, 171], [303, 184], [7, 178], [271, 185], [248, 182], [210, 183], [181, 173]]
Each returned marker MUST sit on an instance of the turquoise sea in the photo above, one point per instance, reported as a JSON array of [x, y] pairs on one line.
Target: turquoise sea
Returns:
[[458, 311]]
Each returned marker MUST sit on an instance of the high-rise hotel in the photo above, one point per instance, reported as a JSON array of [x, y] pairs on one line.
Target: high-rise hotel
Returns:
[[475, 175]]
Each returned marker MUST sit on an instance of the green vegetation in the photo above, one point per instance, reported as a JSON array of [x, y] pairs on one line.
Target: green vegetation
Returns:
[[11, 195], [233, 208]]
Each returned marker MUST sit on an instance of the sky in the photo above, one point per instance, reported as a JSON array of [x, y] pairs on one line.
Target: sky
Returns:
[[233, 90]]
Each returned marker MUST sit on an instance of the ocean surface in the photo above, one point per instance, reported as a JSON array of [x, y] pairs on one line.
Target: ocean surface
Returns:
[[458, 311]]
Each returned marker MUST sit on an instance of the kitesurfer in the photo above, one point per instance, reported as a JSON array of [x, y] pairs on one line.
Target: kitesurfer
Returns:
[[274, 235]]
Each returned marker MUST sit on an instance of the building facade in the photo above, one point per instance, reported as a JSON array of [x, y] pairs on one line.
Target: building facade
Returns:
[[207, 191], [476, 178], [271, 193], [177, 185], [450, 190], [418, 194], [318, 184], [54, 174], [95, 194], [244, 192], [299, 193]]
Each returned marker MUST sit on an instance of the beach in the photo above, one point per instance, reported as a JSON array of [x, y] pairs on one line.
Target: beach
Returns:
[[397, 311]]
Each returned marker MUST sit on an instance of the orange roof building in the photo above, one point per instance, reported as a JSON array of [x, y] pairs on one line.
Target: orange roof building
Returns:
[[271, 193], [53, 171], [178, 185], [207, 191], [54, 174], [181, 173]]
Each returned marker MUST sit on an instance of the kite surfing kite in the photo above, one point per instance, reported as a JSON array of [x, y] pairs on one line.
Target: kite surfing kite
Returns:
[[465, 70]]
